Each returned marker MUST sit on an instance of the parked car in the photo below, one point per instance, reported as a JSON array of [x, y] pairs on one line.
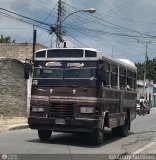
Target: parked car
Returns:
[[145, 103]]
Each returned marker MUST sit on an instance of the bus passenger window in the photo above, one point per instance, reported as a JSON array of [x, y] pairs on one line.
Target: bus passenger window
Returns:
[[122, 77], [134, 80], [129, 79], [107, 73], [114, 76], [101, 74]]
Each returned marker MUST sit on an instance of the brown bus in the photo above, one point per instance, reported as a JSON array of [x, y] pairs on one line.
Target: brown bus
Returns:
[[81, 90]]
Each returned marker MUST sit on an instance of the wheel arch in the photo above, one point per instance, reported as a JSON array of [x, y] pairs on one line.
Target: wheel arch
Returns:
[[106, 119]]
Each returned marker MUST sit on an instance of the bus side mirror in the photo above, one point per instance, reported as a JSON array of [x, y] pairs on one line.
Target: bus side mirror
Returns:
[[26, 70]]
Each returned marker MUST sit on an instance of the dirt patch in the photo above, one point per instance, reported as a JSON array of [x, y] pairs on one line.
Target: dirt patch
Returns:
[[8, 121]]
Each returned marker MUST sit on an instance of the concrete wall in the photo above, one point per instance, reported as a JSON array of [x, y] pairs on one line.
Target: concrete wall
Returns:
[[19, 51], [13, 88]]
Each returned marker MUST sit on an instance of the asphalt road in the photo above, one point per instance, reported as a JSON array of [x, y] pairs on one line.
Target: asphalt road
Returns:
[[26, 141]]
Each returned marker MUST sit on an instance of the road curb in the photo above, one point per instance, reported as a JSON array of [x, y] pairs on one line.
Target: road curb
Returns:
[[16, 127]]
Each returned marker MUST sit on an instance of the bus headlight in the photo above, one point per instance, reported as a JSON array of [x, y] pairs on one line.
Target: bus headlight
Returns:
[[86, 109], [37, 108], [35, 82]]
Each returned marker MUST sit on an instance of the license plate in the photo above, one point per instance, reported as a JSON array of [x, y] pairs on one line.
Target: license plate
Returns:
[[60, 121]]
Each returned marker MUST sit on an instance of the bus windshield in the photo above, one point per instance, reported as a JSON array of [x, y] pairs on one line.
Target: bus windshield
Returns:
[[80, 73], [64, 73], [48, 73]]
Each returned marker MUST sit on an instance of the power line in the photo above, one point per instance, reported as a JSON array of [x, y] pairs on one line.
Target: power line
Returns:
[[108, 32], [99, 19], [118, 8], [28, 18], [23, 21], [79, 42], [50, 13]]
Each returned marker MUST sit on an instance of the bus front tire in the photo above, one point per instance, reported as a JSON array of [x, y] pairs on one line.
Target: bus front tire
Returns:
[[98, 136], [44, 135]]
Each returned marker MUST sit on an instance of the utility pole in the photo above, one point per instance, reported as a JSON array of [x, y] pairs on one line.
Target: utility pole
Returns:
[[60, 19], [34, 41], [59, 25], [145, 67]]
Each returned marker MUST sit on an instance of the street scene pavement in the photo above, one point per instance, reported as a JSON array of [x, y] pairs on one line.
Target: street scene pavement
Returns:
[[18, 139]]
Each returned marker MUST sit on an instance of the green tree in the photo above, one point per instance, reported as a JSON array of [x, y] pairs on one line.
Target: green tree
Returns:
[[6, 39], [150, 70], [140, 71]]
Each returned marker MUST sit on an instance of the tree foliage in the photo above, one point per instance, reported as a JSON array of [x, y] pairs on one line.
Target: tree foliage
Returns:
[[150, 70], [6, 39]]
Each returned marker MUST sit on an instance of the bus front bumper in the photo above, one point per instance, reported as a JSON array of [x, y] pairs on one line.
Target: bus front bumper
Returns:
[[64, 125]]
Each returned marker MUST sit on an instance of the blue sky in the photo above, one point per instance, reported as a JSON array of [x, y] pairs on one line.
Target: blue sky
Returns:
[[119, 28]]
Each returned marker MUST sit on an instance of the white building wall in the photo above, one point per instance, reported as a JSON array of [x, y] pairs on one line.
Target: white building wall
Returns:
[[147, 93]]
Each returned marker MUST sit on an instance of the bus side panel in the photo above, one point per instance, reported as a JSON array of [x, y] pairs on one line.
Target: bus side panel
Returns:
[[129, 103], [117, 103]]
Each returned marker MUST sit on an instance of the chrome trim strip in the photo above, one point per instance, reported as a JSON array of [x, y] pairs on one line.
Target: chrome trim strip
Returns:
[[87, 119], [68, 59], [73, 98], [40, 97], [85, 98], [40, 89]]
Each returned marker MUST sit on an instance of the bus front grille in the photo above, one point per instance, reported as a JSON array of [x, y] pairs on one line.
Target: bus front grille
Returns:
[[62, 110]]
